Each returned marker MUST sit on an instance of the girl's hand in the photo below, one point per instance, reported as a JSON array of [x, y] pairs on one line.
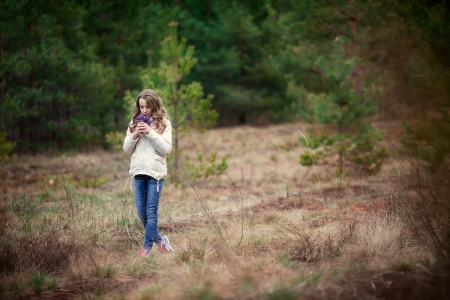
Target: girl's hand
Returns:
[[136, 134], [144, 127], [141, 127]]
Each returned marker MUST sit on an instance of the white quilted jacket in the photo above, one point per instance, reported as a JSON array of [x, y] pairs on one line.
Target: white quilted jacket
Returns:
[[148, 152]]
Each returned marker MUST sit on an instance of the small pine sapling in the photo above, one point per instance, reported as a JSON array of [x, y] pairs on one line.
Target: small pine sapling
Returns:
[[346, 112]]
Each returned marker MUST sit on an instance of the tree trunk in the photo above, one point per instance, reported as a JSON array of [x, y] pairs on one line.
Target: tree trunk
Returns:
[[175, 119], [2, 89], [341, 129]]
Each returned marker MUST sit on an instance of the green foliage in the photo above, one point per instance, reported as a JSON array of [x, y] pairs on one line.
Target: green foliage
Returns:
[[37, 282], [91, 182], [307, 158], [283, 293], [185, 102], [232, 38], [428, 141], [68, 68], [364, 150], [341, 106], [361, 149], [315, 141], [426, 144], [354, 140], [205, 169], [115, 140], [433, 17], [6, 149], [53, 81]]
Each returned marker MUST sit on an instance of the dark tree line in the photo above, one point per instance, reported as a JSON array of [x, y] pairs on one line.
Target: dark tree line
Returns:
[[65, 65]]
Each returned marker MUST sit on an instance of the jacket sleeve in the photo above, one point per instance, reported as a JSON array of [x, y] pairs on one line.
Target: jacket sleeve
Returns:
[[129, 143], [162, 142]]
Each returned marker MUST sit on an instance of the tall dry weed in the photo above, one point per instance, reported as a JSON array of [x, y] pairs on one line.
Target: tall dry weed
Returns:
[[379, 234], [314, 241], [225, 241], [47, 252], [423, 201]]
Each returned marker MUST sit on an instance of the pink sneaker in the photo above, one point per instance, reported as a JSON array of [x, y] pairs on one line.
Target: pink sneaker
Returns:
[[144, 252], [164, 245]]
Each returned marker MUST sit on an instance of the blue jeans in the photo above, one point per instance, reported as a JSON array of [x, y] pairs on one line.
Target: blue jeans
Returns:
[[147, 191]]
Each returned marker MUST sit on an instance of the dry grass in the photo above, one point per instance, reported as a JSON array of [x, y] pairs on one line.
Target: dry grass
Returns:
[[267, 229], [423, 201]]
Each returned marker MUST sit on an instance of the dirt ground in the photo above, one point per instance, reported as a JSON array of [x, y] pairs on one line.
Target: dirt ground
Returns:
[[265, 178]]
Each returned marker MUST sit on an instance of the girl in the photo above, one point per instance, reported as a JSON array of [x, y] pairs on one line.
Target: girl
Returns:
[[148, 141]]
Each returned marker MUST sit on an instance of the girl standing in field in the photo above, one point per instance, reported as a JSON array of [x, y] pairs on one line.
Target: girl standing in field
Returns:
[[148, 141]]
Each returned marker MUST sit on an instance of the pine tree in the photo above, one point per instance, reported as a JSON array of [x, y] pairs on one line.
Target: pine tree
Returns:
[[290, 51], [425, 194], [354, 138], [185, 103], [429, 142], [228, 57], [49, 76]]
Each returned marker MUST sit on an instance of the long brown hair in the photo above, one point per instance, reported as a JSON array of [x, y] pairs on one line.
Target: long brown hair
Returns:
[[159, 112]]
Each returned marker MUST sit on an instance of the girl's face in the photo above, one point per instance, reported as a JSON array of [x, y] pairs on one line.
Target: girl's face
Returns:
[[144, 108]]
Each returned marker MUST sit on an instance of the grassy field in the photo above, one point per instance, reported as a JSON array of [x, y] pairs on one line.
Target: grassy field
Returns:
[[268, 228]]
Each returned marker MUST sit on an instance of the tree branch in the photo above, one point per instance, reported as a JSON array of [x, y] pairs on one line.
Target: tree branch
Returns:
[[344, 13], [335, 30]]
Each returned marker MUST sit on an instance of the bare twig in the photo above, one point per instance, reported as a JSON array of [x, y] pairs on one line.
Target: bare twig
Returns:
[[128, 223], [343, 12], [233, 183], [335, 30], [205, 208]]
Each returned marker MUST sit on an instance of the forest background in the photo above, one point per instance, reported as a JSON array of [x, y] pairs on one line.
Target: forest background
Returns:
[[66, 66]]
